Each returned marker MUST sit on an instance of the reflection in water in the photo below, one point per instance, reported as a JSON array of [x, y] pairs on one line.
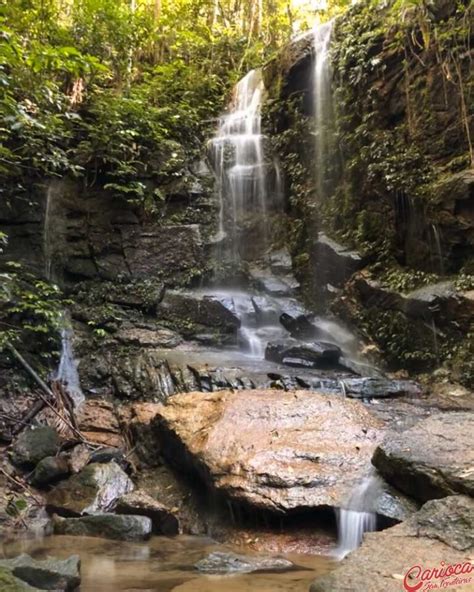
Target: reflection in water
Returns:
[[163, 565]]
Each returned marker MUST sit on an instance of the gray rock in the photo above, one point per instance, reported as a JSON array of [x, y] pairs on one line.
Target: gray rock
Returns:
[[139, 503], [33, 445], [335, 263], [432, 459], [48, 574], [91, 491], [317, 354], [107, 526], [219, 562], [275, 286], [50, 469], [192, 314], [145, 337], [280, 262], [376, 388]]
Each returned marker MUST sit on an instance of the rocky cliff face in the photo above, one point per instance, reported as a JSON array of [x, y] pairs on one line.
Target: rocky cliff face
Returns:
[[399, 186]]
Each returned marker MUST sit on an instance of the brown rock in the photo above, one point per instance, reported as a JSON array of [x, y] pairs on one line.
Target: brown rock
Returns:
[[274, 450], [432, 459], [139, 503], [98, 422], [137, 419]]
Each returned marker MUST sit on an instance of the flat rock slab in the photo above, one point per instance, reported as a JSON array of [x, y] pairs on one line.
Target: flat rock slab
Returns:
[[219, 562], [107, 526], [271, 449], [432, 459], [93, 490], [435, 537], [48, 574]]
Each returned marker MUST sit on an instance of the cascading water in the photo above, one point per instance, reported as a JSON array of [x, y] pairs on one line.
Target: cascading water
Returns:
[[240, 166], [249, 186], [358, 517], [323, 106], [66, 372]]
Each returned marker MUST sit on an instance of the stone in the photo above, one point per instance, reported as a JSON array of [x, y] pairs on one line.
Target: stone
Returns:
[[49, 470], [273, 450], [280, 262], [108, 454], [107, 526], [78, 458], [138, 417], [8, 583], [432, 459], [92, 491], [317, 354], [192, 314], [139, 503], [377, 388], [335, 263], [273, 285], [98, 422], [47, 574], [149, 337], [440, 534], [33, 445], [220, 562], [299, 327]]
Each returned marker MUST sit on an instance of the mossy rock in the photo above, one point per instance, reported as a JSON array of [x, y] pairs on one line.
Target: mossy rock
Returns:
[[8, 583]]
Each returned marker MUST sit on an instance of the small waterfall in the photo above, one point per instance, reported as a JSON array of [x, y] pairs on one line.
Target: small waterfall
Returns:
[[67, 373], [358, 517], [238, 158], [437, 250], [323, 107]]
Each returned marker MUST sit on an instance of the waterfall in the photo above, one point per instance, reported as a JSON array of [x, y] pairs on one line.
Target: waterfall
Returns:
[[358, 517], [323, 107], [237, 153], [67, 373]]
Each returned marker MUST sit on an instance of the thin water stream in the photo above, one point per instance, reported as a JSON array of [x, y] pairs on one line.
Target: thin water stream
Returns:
[[164, 565]]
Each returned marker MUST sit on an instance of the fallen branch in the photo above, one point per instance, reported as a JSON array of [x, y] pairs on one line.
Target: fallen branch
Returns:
[[30, 370]]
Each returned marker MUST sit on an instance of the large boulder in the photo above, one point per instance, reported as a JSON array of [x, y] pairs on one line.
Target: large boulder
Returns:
[[91, 491], [432, 459], [33, 445], [9, 583], [48, 574], [335, 263], [107, 526], [270, 449], [50, 469], [437, 536]]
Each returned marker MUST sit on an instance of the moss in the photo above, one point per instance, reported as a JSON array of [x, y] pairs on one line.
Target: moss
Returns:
[[8, 583]]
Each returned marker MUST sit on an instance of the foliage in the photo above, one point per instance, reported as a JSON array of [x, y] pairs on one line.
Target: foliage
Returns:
[[30, 310]]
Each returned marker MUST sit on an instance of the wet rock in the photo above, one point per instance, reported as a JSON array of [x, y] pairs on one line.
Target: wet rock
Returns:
[[157, 337], [271, 449], [270, 284], [280, 262], [440, 534], [376, 388], [432, 459], [335, 263], [48, 574], [8, 583], [49, 470], [93, 490], [107, 526], [299, 327], [220, 562], [33, 445], [317, 354], [193, 314], [139, 503], [108, 454]]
